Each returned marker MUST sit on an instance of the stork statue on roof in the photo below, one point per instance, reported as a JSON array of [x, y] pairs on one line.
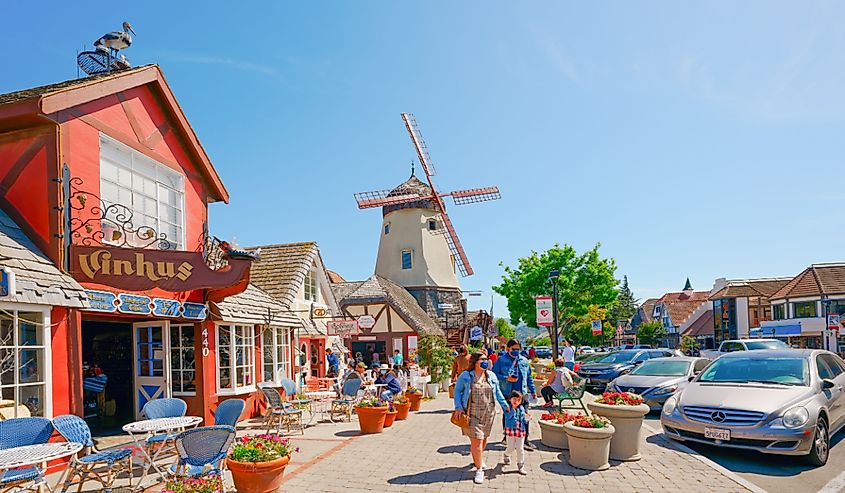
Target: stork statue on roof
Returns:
[[116, 40], [419, 248]]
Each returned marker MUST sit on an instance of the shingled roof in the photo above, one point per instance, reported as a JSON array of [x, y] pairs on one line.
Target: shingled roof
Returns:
[[252, 306], [751, 288], [377, 289], [703, 326], [34, 92], [815, 280], [38, 281], [682, 304], [282, 269]]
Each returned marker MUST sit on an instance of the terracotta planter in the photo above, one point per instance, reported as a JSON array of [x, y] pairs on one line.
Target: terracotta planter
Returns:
[[553, 435], [371, 419], [389, 418], [257, 477], [589, 448], [628, 420], [402, 411], [416, 400]]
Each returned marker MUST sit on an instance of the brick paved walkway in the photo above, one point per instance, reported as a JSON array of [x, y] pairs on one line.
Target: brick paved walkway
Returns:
[[427, 453]]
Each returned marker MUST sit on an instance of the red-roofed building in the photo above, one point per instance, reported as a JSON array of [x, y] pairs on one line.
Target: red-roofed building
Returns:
[[740, 305], [675, 310]]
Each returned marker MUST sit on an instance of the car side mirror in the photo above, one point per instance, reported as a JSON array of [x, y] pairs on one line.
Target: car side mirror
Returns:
[[691, 378], [828, 384]]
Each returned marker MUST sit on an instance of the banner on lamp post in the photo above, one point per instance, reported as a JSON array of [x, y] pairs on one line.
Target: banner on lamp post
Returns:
[[544, 311], [596, 324], [834, 322]]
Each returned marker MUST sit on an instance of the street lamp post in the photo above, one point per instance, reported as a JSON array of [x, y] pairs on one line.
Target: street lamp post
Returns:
[[553, 276]]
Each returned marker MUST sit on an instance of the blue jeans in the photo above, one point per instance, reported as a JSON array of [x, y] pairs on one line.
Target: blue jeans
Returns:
[[570, 365], [387, 395]]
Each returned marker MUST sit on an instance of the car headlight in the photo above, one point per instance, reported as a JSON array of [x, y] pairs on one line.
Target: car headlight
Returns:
[[669, 406], [796, 417], [664, 390]]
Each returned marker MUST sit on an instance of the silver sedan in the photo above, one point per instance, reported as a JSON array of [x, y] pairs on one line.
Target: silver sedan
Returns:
[[774, 401], [655, 380]]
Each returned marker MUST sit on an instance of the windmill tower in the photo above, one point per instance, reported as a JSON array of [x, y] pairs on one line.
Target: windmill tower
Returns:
[[419, 248]]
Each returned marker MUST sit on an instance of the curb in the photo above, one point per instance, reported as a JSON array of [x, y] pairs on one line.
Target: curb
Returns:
[[713, 465]]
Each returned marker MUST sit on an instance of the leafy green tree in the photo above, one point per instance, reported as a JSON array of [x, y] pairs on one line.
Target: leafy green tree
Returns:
[[625, 306], [651, 332], [540, 341], [504, 329], [689, 342], [435, 355], [585, 279], [581, 331]]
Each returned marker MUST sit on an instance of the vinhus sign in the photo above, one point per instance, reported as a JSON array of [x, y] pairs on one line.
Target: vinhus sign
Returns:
[[138, 269]]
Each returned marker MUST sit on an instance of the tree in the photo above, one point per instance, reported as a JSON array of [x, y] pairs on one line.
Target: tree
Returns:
[[651, 332], [581, 331], [689, 342], [540, 341], [625, 305], [504, 329], [585, 280], [435, 355]]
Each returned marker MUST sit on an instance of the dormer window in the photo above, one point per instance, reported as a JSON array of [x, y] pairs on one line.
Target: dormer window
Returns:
[[311, 286], [407, 259], [432, 225]]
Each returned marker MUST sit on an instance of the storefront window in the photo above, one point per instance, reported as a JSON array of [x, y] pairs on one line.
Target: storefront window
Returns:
[[779, 312], [153, 192], [23, 369], [837, 307], [804, 309], [275, 346], [235, 349], [182, 363]]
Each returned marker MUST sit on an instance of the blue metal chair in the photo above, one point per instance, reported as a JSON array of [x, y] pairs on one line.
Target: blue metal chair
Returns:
[[281, 412], [75, 429], [202, 447], [20, 432], [349, 397], [163, 408], [229, 412], [289, 387]]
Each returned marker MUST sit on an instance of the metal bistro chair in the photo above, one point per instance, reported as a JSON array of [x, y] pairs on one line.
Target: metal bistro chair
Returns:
[[201, 447], [229, 412], [75, 429], [344, 405], [163, 408], [20, 432], [289, 387], [575, 396], [281, 412]]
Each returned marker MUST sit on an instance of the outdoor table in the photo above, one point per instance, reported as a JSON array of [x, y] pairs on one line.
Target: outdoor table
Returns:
[[152, 426], [324, 398], [375, 388], [33, 455]]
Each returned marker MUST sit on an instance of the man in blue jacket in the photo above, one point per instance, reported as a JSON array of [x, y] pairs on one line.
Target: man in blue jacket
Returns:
[[514, 373], [334, 364], [391, 383]]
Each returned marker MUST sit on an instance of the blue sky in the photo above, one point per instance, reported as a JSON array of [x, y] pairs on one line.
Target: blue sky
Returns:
[[699, 139]]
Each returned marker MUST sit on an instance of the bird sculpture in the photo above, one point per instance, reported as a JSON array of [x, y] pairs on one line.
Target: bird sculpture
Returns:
[[116, 40]]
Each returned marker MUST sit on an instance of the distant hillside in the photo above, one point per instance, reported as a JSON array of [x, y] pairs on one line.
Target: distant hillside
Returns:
[[524, 332]]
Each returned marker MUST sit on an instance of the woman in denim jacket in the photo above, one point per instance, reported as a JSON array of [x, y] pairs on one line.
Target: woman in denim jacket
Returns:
[[479, 387]]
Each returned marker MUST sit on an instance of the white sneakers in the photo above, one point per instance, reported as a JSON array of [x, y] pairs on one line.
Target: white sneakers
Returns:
[[521, 469], [479, 476]]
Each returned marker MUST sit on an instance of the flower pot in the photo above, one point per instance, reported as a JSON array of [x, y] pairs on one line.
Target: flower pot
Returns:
[[389, 418], [431, 389], [539, 368], [402, 411], [538, 384], [589, 448], [628, 420], [416, 400], [553, 435], [371, 419], [257, 477]]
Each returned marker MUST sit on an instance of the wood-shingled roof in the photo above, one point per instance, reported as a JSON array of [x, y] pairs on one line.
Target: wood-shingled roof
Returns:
[[283, 267]]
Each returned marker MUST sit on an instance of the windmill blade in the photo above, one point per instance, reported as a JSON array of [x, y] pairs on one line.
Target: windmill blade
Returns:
[[461, 259], [419, 144], [379, 198], [474, 195]]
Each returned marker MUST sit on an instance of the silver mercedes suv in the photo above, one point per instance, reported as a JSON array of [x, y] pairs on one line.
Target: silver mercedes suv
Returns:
[[773, 401]]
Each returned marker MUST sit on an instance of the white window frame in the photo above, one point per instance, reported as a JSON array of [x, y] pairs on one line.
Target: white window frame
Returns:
[[402, 259], [175, 366], [310, 283], [275, 333], [161, 169], [47, 346], [233, 366]]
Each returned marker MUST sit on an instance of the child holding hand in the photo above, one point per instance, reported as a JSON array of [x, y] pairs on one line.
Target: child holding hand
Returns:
[[516, 424]]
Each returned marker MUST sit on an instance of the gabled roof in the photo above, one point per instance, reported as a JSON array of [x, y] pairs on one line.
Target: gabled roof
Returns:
[[282, 269], [50, 99], [377, 289], [703, 326], [681, 305], [334, 277], [254, 306], [751, 288], [815, 280], [38, 281]]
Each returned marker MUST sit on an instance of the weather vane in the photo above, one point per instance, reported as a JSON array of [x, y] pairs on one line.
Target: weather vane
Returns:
[[106, 57]]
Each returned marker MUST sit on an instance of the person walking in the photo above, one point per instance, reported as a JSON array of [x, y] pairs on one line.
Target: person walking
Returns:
[[560, 380], [516, 424], [461, 363], [334, 364], [514, 373], [568, 354], [476, 393]]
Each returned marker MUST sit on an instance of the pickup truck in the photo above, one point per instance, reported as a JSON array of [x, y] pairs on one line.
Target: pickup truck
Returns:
[[743, 345]]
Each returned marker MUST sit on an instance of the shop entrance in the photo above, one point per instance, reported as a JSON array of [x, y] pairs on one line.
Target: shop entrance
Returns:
[[107, 383], [370, 352]]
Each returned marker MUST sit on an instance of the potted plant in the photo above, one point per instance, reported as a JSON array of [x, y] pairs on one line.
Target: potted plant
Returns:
[[371, 415], [403, 407], [626, 411], [589, 442], [390, 416], [258, 463], [415, 396], [435, 355], [552, 433], [205, 484]]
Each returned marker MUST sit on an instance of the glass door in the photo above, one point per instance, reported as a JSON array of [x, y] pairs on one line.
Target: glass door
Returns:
[[150, 343]]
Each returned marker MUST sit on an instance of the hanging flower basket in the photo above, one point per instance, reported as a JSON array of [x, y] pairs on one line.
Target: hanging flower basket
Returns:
[[589, 442], [258, 463], [552, 433], [371, 415], [626, 412]]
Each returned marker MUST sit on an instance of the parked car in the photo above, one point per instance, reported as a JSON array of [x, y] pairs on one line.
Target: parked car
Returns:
[[657, 379], [743, 345], [600, 372], [586, 350], [543, 352], [586, 358], [636, 346], [784, 401]]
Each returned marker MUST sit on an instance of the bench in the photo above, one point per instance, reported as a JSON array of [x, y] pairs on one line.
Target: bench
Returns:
[[575, 397]]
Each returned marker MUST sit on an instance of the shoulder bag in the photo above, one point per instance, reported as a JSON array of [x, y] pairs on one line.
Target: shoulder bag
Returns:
[[463, 420]]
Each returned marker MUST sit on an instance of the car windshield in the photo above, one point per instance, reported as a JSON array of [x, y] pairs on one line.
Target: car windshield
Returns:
[[662, 368], [766, 345], [777, 370], [620, 357]]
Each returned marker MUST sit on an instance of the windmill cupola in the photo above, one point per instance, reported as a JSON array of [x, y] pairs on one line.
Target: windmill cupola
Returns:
[[411, 186]]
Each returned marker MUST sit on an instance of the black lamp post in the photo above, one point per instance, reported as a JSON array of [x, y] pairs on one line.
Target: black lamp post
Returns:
[[553, 276]]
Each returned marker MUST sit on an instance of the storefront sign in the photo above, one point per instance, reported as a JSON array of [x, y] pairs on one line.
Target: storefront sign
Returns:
[[194, 311], [366, 321], [476, 333], [166, 308], [205, 341], [7, 282], [102, 301], [366, 338], [342, 328], [596, 326], [317, 311], [544, 311], [134, 304], [141, 269]]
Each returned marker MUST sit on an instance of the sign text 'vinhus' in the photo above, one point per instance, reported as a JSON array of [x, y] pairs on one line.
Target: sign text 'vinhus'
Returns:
[[138, 269]]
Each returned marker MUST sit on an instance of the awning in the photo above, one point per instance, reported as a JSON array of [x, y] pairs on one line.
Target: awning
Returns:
[[777, 331]]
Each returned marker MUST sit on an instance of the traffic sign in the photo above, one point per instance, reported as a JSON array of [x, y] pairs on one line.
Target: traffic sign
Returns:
[[366, 321], [545, 317]]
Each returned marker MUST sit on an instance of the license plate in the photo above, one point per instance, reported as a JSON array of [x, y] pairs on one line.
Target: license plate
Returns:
[[717, 434]]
